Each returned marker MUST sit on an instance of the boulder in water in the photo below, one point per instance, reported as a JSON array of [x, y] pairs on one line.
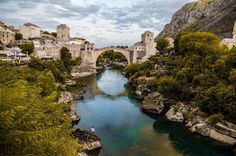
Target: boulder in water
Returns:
[[89, 140], [153, 103]]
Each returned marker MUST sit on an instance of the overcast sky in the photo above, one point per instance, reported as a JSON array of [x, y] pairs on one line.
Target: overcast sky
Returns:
[[104, 22]]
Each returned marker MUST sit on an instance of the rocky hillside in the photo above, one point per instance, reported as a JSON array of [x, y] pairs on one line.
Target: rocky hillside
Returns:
[[216, 16]]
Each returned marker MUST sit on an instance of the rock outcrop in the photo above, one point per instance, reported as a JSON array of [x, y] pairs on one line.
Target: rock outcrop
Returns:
[[176, 112], [65, 97], [83, 70], [209, 130], [153, 103], [216, 16], [89, 140]]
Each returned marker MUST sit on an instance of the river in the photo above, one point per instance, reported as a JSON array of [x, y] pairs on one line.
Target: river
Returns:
[[125, 130]]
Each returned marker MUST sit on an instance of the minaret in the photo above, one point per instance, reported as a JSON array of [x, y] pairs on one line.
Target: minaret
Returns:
[[234, 31]]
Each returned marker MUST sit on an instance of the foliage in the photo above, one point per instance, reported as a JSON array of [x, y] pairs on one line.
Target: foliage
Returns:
[[132, 69], [27, 48], [66, 58], [203, 71], [47, 83], [54, 34], [46, 32], [76, 62], [199, 43], [31, 122], [214, 118], [57, 68], [177, 40], [18, 36], [168, 86], [162, 44]]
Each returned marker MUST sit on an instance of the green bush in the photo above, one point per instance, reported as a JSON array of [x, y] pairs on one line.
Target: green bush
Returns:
[[169, 86], [215, 118], [132, 69], [162, 44], [27, 48]]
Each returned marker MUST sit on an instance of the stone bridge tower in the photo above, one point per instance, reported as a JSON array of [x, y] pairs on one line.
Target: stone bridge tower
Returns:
[[148, 41], [63, 33]]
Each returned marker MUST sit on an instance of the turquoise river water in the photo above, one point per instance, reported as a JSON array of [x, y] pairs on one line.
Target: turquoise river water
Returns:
[[126, 131]]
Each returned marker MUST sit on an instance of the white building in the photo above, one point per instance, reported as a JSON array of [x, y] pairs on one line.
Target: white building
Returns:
[[29, 30], [230, 42], [6, 36]]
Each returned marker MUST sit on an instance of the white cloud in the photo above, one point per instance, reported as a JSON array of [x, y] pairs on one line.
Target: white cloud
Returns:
[[105, 22]]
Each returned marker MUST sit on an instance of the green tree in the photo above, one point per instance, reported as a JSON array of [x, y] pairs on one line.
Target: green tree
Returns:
[[176, 41], [18, 36], [169, 86], [54, 34], [66, 58], [27, 48], [132, 69], [162, 44], [47, 83], [200, 43], [32, 124]]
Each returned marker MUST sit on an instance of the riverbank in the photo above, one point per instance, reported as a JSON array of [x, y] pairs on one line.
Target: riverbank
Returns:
[[116, 116], [186, 113]]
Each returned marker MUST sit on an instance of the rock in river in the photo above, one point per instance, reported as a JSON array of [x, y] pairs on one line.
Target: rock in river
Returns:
[[153, 103], [175, 113], [89, 140]]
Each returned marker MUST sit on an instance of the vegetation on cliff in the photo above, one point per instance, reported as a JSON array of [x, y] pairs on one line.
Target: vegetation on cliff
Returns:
[[203, 71]]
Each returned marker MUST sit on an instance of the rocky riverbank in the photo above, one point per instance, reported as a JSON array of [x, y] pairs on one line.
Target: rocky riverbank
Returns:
[[88, 140], [67, 97], [187, 113], [83, 70]]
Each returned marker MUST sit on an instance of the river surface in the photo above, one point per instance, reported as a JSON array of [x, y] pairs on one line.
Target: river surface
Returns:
[[125, 130]]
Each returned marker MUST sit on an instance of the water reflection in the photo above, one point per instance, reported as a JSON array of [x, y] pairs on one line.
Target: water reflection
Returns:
[[125, 130]]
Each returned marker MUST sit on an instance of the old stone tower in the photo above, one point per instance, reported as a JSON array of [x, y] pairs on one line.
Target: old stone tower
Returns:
[[149, 43], [63, 33], [234, 31]]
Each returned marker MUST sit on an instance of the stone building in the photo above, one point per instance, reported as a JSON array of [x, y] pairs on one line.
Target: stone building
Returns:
[[46, 48], [29, 30], [77, 40], [230, 42], [6, 36], [63, 33], [147, 47]]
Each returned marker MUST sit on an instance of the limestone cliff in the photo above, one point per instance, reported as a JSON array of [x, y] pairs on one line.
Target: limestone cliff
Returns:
[[216, 16]]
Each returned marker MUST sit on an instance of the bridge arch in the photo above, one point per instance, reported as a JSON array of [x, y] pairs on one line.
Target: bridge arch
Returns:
[[99, 52]]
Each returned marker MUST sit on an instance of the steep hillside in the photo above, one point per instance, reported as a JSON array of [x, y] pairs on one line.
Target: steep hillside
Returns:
[[216, 16]]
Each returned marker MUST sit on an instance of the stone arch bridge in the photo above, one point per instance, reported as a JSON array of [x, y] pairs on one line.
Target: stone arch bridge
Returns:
[[92, 56]]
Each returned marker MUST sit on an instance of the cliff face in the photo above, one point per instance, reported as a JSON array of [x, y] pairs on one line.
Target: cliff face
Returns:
[[217, 16]]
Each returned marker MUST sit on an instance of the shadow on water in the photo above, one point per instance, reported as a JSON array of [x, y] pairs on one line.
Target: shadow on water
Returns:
[[187, 143]]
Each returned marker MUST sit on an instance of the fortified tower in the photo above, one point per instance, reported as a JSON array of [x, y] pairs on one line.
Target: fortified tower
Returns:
[[148, 41], [234, 31], [63, 33]]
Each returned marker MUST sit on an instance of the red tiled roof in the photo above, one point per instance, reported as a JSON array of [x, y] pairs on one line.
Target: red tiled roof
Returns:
[[30, 24]]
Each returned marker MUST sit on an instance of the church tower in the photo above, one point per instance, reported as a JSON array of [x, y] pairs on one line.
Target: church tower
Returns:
[[234, 31]]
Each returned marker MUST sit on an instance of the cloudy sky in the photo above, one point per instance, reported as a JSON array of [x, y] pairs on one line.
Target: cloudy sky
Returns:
[[104, 22]]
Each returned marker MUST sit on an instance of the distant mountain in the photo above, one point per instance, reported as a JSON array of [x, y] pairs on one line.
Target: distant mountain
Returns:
[[216, 16]]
